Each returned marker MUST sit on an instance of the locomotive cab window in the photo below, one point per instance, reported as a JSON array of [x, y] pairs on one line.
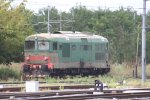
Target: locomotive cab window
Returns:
[[29, 45], [43, 45], [107, 47], [100, 47], [99, 56]]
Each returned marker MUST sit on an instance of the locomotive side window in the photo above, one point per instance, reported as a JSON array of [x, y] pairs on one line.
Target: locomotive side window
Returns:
[[86, 47], [73, 47], [29, 45], [55, 46], [43, 45], [60, 47], [66, 50]]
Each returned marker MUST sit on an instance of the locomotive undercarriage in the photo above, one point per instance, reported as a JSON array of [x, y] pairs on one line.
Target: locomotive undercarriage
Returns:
[[38, 72], [79, 71], [44, 72]]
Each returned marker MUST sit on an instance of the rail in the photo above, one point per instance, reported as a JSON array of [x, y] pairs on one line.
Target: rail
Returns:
[[75, 95]]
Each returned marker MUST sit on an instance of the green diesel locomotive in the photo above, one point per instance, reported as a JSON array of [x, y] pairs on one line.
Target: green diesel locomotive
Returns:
[[65, 53]]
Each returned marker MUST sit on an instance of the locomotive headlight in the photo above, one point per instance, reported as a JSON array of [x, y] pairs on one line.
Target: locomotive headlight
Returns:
[[45, 58], [40, 66], [27, 59]]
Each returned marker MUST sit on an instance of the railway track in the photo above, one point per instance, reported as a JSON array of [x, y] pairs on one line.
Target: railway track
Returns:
[[43, 94], [71, 92], [75, 95], [23, 82], [46, 87], [95, 96]]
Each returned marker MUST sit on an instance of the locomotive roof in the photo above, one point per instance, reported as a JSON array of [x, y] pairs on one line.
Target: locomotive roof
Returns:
[[65, 35]]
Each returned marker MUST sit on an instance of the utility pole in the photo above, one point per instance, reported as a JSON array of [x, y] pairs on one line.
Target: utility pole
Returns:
[[60, 22], [48, 24], [144, 42], [137, 48]]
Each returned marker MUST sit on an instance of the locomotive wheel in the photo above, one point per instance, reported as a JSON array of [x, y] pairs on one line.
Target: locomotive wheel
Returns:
[[23, 77], [26, 68]]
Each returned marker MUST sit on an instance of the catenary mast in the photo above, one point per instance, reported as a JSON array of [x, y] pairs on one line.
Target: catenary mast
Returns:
[[144, 42]]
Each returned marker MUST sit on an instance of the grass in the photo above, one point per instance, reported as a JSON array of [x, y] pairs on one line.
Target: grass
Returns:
[[10, 72], [118, 72]]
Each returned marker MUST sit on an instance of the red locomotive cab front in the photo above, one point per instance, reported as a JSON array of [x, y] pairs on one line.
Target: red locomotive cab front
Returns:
[[37, 62], [37, 55]]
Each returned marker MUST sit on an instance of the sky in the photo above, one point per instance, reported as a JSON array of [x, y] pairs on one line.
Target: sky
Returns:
[[66, 5]]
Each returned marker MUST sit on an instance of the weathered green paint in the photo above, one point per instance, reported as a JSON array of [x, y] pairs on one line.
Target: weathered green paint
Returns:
[[73, 47]]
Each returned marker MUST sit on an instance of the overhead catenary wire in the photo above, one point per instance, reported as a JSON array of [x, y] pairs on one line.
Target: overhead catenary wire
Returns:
[[67, 5]]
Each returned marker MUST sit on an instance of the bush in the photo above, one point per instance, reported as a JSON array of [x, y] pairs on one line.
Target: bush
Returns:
[[6, 73]]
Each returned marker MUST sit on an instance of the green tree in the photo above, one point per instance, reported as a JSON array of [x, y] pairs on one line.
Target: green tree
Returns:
[[15, 25], [83, 18], [118, 27]]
